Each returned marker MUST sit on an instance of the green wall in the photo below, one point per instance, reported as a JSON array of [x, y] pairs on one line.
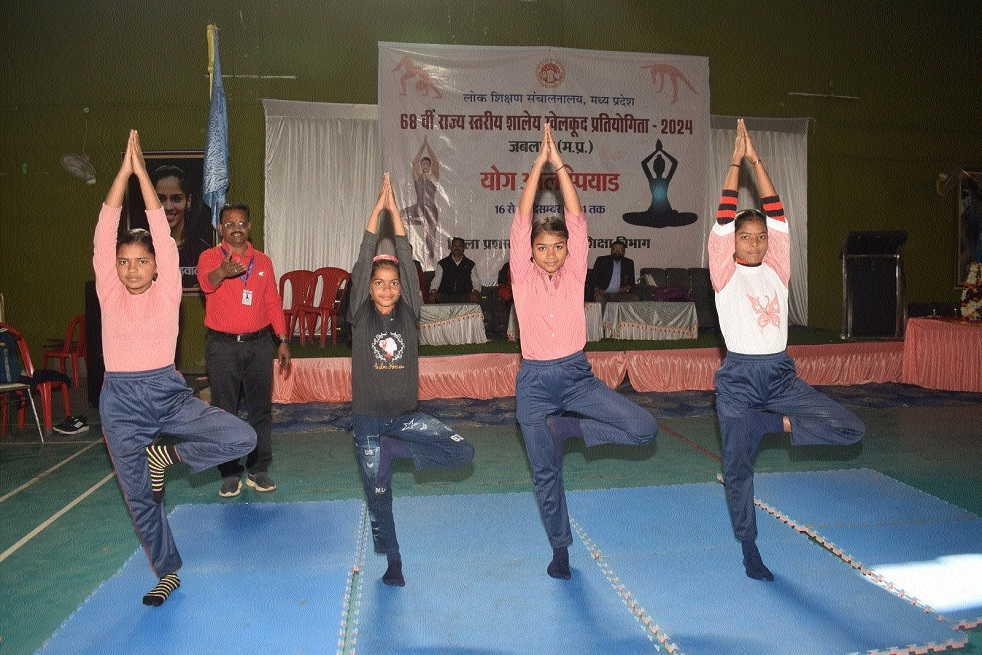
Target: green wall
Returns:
[[77, 73]]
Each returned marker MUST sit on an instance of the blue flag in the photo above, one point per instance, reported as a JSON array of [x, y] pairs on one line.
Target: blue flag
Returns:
[[216, 146]]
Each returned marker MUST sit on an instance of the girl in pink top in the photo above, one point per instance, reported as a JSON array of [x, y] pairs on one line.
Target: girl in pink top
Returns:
[[139, 287], [557, 395]]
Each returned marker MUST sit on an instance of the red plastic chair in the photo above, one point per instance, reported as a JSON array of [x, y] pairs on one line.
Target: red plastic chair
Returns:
[[72, 349], [333, 283], [302, 284], [44, 381], [422, 281]]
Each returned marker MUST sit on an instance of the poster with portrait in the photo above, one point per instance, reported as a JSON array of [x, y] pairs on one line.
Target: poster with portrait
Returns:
[[177, 177], [969, 222]]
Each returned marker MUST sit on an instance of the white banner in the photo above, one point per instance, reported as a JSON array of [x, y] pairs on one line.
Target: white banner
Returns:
[[461, 126]]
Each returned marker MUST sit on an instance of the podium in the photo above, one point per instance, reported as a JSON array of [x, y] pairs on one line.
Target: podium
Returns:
[[873, 287]]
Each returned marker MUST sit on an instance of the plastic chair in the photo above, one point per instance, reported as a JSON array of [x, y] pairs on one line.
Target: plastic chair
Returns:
[[14, 391], [423, 289], [333, 283], [44, 381], [302, 283], [72, 349]]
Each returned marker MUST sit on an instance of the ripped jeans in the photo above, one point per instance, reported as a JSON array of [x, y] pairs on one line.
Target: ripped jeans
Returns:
[[432, 444]]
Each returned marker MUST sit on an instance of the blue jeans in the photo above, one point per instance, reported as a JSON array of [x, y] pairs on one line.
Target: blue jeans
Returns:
[[548, 387], [432, 444], [770, 383], [135, 408]]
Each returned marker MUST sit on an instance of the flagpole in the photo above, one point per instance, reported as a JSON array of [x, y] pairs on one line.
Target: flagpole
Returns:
[[215, 180], [212, 28]]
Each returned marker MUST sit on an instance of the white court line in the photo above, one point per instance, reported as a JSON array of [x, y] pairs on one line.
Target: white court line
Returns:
[[36, 531], [50, 470]]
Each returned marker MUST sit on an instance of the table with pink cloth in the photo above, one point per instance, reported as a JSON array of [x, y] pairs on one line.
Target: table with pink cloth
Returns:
[[943, 353]]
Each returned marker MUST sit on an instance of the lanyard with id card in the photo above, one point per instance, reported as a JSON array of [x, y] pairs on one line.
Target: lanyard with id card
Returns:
[[246, 293]]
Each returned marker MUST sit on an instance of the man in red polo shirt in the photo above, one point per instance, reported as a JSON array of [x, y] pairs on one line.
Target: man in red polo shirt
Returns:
[[243, 310]]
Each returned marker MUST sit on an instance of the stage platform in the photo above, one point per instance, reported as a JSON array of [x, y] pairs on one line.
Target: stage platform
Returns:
[[492, 375]]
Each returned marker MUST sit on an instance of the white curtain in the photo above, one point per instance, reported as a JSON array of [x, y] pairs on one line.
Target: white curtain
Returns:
[[323, 170], [783, 145], [323, 167]]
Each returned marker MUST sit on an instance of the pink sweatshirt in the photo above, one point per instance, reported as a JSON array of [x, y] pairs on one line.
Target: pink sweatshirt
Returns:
[[139, 332], [550, 311]]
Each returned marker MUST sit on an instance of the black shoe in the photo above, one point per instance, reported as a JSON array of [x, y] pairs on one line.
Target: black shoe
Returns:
[[260, 481], [231, 486], [72, 425]]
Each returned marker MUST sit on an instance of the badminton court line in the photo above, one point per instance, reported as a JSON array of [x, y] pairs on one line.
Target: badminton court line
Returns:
[[36, 531], [686, 440], [49, 471]]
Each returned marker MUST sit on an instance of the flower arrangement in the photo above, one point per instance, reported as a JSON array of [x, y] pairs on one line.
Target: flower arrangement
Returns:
[[972, 293]]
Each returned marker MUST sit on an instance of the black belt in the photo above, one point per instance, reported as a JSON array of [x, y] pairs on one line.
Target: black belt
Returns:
[[248, 336]]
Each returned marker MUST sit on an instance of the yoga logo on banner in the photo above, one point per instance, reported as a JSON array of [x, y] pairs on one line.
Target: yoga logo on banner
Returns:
[[460, 125]]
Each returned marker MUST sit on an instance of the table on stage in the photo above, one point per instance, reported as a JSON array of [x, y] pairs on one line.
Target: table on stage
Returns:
[[943, 353], [451, 325], [650, 321], [594, 323]]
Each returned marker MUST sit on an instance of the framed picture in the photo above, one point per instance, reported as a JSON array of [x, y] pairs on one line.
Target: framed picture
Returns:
[[178, 178], [969, 222]]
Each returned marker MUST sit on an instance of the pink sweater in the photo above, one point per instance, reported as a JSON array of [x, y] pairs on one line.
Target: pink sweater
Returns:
[[550, 311], [139, 332]]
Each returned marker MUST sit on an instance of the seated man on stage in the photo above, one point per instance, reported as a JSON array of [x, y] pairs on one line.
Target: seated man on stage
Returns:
[[613, 276], [456, 279], [497, 305]]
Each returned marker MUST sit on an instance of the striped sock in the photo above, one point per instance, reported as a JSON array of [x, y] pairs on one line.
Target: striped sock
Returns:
[[159, 594], [159, 458]]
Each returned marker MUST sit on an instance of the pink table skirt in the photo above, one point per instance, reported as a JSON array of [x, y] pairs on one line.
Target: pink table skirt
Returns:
[[838, 364], [492, 375], [943, 354]]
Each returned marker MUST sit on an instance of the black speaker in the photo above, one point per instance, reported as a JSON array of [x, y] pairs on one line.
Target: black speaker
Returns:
[[873, 285]]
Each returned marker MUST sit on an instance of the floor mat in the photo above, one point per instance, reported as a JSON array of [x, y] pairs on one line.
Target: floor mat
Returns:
[[265, 578], [913, 543], [476, 583], [671, 551], [654, 569]]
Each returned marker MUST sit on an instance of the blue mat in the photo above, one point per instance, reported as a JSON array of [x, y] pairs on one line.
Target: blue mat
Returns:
[[476, 583], [266, 578], [672, 550], [911, 542], [653, 568]]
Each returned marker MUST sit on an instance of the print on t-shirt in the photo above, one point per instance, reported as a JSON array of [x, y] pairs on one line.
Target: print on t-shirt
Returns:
[[388, 348], [768, 311]]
